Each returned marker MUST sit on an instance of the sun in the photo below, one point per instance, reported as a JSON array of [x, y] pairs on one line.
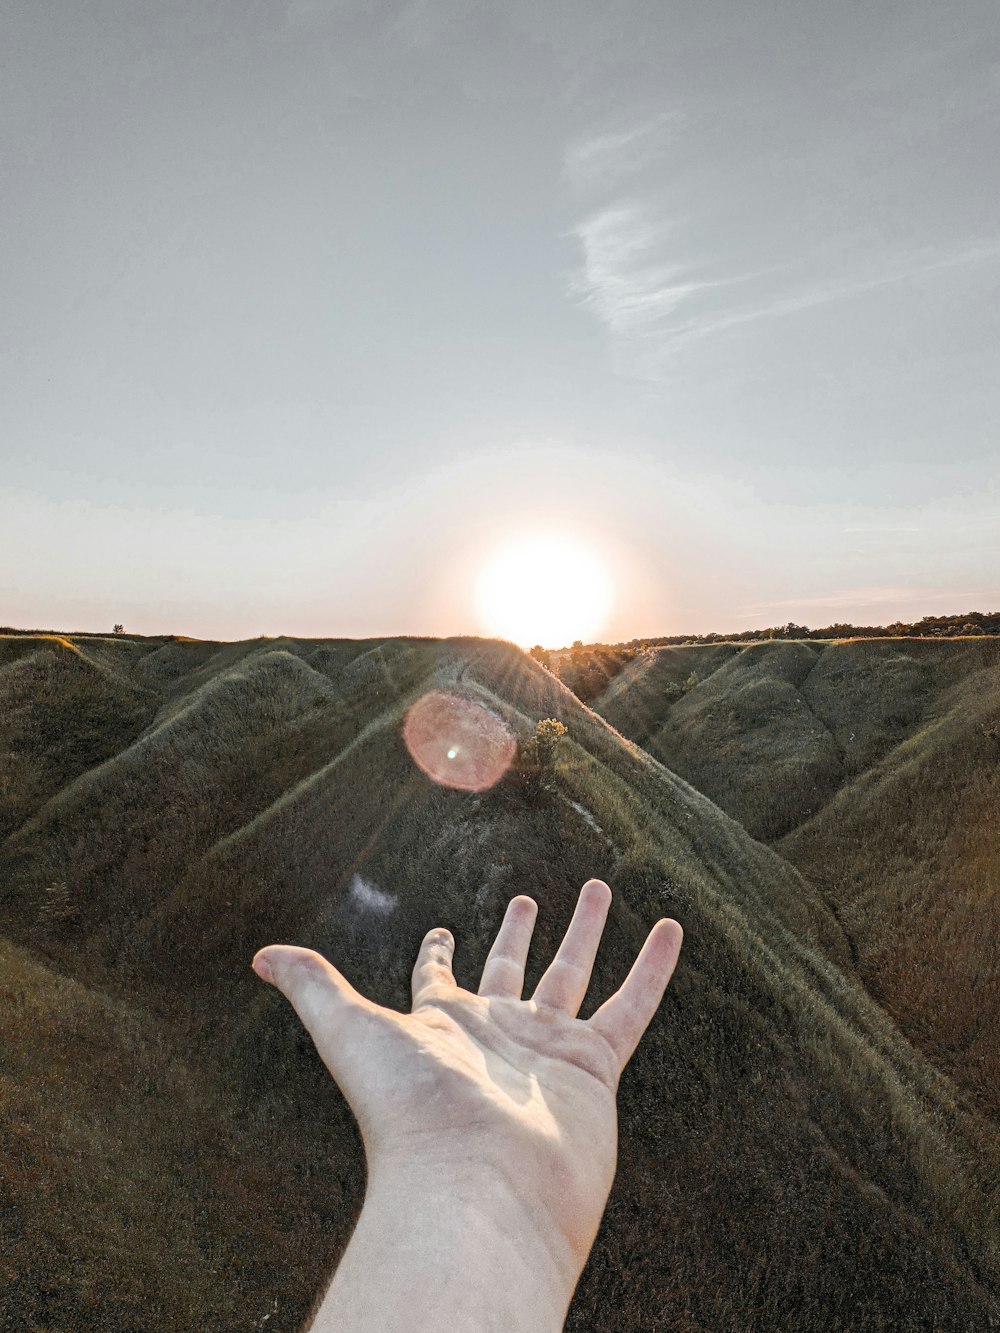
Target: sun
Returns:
[[544, 590]]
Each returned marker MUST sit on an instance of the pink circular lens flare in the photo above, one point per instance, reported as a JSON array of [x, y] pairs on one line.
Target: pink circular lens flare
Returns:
[[458, 742]]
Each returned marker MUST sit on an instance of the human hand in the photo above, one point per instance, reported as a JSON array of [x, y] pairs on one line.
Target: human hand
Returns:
[[521, 1087]]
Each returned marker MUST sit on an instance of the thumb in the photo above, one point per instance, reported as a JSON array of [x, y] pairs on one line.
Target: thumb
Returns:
[[321, 996]]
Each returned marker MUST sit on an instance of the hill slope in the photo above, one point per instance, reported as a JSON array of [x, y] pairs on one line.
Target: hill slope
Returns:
[[267, 796], [874, 767]]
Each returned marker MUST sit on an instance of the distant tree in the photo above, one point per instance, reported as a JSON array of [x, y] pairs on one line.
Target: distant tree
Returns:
[[541, 655], [119, 629], [589, 671]]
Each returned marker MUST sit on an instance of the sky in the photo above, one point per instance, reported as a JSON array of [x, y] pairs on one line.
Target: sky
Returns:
[[313, 307]]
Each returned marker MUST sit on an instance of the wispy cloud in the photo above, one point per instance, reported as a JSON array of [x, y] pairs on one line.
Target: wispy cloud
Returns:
[[646, 300], [638, 274], [904, 270], [620, 280], [604, 159], [629, 281]]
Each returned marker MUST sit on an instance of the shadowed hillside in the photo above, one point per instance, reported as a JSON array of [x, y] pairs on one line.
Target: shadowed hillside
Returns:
[[129, 1194], [63, 709], [788, 1160], [874, 767]]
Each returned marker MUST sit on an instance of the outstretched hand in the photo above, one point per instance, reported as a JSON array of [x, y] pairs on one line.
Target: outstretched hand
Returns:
[[521, 1087]]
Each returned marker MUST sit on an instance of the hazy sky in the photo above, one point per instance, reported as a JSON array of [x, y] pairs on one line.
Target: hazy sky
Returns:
[[310, 305]]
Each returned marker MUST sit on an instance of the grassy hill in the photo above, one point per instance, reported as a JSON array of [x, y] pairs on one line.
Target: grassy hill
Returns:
[[873, 766], [789, 1157]]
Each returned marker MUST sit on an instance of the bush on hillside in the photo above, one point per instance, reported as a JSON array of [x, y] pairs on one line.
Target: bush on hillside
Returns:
[[536, 757]]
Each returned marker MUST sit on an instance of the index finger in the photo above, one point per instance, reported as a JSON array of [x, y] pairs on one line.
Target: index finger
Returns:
[[625, 1016], [433, 965]]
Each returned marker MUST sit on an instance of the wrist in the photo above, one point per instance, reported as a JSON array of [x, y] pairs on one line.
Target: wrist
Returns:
[[449, 1243], [470, 1205], [535, 1186]]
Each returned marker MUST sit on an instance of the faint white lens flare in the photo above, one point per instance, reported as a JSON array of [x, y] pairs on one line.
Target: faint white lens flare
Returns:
[[458, 742]]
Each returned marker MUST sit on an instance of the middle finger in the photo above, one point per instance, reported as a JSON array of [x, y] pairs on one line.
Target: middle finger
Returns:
[[565, 981]]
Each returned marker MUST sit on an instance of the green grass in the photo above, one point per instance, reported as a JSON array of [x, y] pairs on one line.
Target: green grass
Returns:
[[871, 766], [132, 1198], [790, 1158]]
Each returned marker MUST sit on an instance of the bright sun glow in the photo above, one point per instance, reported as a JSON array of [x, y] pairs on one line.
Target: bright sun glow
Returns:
[[546, 591]]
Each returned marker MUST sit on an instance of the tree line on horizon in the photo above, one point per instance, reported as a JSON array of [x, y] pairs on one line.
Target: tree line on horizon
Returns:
[[588, 669]]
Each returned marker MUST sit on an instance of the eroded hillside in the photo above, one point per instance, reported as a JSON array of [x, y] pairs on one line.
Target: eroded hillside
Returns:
[[192, 802], [874, 767]]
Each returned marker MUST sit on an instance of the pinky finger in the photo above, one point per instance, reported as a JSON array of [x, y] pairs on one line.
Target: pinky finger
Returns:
[[625, 1016]]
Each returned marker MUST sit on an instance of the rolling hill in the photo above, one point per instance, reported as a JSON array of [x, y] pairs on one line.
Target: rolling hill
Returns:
[[873, 766], [791, 1157]]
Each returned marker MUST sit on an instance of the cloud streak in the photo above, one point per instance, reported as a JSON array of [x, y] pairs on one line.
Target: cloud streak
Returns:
[[619, 281], [628, 280], [823, 294], [604, 159], [638, 275]]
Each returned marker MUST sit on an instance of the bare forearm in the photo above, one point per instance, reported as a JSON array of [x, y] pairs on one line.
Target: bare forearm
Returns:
[[440, 1248]]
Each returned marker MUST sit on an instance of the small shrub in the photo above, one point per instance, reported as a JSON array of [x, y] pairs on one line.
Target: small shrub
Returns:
[[547, 733], [536, 757]]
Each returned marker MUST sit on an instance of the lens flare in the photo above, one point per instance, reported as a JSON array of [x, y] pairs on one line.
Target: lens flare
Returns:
[[457, 741]]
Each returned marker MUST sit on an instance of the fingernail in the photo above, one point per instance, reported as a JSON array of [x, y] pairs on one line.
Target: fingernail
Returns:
[[263, 970]]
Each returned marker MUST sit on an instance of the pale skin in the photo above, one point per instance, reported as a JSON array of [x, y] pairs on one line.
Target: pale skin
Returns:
[[489, 1123]]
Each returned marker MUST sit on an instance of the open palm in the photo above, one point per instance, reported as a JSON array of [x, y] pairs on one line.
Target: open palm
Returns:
[[523, 1087]]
